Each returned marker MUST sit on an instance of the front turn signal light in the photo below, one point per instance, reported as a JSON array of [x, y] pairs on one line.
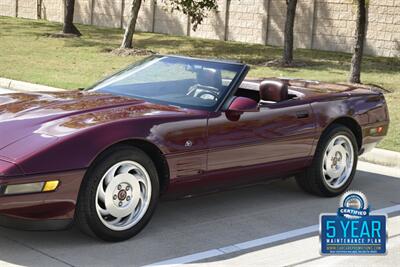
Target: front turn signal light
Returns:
[[50, 186]]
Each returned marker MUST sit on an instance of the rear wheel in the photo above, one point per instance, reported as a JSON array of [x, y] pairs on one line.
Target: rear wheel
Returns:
[[334, 163], [119, 194]]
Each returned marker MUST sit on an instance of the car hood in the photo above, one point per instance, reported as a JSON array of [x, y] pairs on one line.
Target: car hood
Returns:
[[62, 113]]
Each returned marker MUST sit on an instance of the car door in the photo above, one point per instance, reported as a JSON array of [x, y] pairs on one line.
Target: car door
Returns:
[[275, 140]]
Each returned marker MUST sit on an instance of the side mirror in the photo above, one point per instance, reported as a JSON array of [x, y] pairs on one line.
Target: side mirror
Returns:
[[240, 105], [243, 104]]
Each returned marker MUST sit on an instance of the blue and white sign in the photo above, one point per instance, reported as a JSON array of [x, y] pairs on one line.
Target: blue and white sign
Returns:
[[353, 230]]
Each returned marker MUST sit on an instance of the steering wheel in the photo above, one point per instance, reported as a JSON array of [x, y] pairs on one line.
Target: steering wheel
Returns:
[[208, 95], [204, 92]]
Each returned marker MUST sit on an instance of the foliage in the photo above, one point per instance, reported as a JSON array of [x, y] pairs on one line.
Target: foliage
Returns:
[[196, 9]]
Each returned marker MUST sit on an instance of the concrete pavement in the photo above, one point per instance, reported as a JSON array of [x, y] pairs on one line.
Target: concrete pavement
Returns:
[[6, 91], [199, 224], [382, 157], [25, 86], [305, 252]]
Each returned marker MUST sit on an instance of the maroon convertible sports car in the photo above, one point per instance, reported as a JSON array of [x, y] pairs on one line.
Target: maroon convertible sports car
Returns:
[[172, 125]]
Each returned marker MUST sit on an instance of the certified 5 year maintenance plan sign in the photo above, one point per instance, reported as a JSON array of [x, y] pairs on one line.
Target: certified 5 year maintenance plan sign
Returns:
[[352, 230]]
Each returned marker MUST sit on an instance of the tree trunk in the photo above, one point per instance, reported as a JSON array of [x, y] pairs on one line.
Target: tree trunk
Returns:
[[288, 38], [130, 28], [359, 37], [39, 9], [69, 26]]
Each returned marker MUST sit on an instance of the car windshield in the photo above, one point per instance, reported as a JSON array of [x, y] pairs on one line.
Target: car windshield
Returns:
[[178, 81]]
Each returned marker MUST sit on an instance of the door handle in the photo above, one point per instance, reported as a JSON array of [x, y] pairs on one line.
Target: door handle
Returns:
[[302, 114]]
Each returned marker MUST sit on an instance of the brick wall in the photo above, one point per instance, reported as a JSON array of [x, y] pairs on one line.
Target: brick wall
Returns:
[[320, 24]]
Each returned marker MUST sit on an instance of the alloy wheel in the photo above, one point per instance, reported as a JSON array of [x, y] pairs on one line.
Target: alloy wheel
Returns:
[[338, 161], [123, 195]]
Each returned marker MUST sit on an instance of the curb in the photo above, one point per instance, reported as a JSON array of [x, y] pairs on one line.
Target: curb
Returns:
[[25, 86], [382, 157]]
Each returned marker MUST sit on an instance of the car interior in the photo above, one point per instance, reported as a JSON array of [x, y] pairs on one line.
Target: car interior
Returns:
[[267, 92], [208, 84], [205, 89]]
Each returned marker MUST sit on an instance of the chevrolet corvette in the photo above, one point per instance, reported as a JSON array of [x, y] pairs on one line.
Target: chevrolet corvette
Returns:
[[173, 126]]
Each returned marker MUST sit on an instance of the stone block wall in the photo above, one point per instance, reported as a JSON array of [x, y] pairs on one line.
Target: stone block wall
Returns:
[[27, 9], [247, 21], [320, 24], [213, 27], [83, 11], [383, 35], [52, 10], [107, 13], [169, 23], [145, 17], [8, 8]]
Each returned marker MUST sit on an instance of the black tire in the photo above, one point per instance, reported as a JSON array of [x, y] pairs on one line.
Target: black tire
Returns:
[[312, 180], [86, 215]]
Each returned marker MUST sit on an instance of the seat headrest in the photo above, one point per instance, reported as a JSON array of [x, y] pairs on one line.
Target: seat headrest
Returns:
[[275, 91], [209, 77]]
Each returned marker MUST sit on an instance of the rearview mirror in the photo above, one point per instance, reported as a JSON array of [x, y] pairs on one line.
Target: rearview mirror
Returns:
[[243, 104]]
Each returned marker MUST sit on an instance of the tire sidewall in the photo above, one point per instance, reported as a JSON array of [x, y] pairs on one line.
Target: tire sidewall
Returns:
[[333, 132], [95, 175]]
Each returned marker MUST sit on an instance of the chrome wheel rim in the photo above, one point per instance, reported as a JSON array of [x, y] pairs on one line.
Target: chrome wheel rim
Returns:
[[338, 161], [123, 195]]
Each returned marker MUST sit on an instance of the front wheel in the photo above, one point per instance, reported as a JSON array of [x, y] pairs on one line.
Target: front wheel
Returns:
[[334, 163], [119, 194]]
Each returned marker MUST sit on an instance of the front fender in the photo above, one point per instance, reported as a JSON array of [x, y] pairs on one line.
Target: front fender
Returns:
[[41, 153]]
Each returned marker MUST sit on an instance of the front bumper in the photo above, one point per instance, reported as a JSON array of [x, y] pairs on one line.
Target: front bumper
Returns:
[[34, 225], [45, 210]]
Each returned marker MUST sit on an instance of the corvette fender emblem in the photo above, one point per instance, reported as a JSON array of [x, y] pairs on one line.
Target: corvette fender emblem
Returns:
[[188, 143]]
